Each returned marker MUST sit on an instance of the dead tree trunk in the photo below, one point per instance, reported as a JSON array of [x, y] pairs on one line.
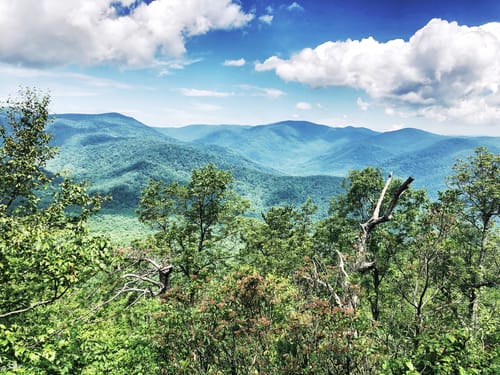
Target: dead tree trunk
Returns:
[[363, 261]]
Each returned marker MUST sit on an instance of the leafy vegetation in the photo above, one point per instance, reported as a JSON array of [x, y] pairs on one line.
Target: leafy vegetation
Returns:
[[45, 249], [387, 281]]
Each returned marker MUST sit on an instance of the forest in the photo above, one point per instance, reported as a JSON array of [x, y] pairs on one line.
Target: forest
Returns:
[[390, 281]]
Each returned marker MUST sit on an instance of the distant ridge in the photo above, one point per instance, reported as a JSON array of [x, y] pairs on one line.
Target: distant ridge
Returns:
[[118, 155], [273, 164], [304, 148]]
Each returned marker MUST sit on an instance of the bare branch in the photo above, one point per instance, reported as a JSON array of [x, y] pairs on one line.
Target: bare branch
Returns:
[[376, 211], [35, 305], [342, 265], [143, 278]]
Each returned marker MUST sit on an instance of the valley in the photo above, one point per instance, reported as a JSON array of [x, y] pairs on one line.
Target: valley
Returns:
[[276, 164]]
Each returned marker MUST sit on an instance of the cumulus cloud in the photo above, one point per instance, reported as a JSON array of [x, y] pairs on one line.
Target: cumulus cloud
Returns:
[[303, 106], [239, 62], [444, 71], [132, 33], [209, 93]]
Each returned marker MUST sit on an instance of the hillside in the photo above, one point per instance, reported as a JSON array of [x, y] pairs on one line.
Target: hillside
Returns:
[[275, 164], [118, 155], [303, 148], [285, 146]]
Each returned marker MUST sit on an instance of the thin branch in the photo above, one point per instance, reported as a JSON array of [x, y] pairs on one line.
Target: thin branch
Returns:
[[35, 305], [41, 303], [143, 278]]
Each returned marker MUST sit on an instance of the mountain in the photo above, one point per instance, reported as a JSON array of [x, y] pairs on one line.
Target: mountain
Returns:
[[192, 133], [303, 148], [90, 128], [285, 146], [118, 154], [275, 164]]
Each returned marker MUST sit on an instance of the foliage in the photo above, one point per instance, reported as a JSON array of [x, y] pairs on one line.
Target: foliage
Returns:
[[279, 243], [45, 249], [248, 323], [192, 221]]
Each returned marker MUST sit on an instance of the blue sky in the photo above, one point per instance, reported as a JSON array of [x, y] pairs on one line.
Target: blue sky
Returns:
[[384, 65]]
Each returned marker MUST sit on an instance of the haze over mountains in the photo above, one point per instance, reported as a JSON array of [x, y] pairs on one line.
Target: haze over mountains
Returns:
[[281, 163], [303, 148]]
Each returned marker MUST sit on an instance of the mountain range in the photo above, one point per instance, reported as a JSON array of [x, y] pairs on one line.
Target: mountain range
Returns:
[[274, 164], [303, 148]]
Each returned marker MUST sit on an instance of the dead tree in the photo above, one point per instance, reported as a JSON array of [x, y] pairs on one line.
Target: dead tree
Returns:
[[362, 262], [343, 291]]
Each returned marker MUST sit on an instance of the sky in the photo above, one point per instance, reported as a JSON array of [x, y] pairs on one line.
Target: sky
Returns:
[[384, 65]]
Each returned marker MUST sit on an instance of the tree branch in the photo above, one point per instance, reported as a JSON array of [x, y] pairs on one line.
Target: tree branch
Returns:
[[361, 264], [35, 305]]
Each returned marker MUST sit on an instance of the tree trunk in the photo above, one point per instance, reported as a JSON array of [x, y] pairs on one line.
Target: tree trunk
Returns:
[[363, 259]]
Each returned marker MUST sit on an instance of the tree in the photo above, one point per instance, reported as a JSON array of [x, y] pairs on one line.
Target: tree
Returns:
[[45, 248], [195, 225], [348, 239], [476, 186], [279, 243]]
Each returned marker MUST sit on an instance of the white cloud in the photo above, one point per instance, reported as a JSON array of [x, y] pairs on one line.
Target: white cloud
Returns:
[[272, 93], [444, 71], [263, 91], [206, 93], [267, 18], [51, 32], [303, 106], [362, 104], [239, 62], [295, 6], [88, 80], [176, 64]]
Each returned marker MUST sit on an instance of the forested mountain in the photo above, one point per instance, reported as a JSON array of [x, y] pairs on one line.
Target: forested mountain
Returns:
[[303, 148], [118, 155], [281, 163]]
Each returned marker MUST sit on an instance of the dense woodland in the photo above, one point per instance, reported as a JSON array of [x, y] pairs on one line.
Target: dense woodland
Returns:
[[388, 282]]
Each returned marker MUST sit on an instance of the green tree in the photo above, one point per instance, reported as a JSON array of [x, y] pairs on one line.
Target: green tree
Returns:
[[45, 248], [476, 186], [351, 232], [196, 224], [279, 243]]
